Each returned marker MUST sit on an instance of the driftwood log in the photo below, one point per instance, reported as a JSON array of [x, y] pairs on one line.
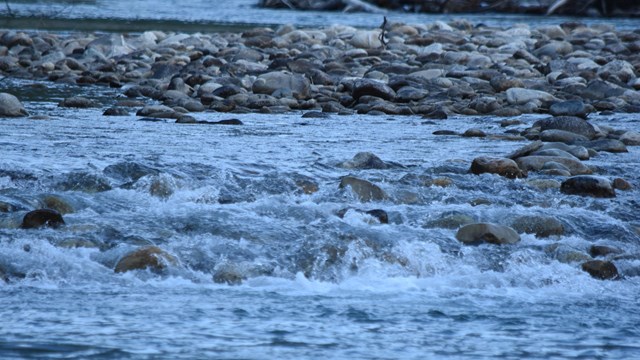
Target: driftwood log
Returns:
[[548, 7]]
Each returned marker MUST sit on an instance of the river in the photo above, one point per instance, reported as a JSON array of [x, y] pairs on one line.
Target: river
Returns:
[[304, 282]]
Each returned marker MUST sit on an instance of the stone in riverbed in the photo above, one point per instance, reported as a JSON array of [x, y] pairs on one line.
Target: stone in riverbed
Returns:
[[541, 226], [631, 138], [586, 185], [603, 270], [621, 184], [10, 106], [562, 136], [536, 163], [365, 190], [42, 218], [501, 166], [602, 250], [473, 234], [365, 160], [608, 145], [116, 111], [151, 257]]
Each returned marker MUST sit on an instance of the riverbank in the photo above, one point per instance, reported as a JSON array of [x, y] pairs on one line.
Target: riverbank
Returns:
[[435, 69]]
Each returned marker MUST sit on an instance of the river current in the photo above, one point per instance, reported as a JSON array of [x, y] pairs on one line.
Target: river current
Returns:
[[312, 284]]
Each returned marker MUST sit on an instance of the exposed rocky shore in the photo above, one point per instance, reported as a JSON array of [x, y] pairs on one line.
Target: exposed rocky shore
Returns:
[[434, 69]]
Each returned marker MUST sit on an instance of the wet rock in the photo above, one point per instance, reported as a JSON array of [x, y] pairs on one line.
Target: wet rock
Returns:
[[151, 257], [474, 133], [10, 106], [56, 203], [230, 275], [116, 111], [85, 182], [365, 190], [450, 220], [162, 186], [271, 82], [602, 250], [42, 218], [444, 132], [536, 163], [603, 270], [316, 115], [631, 138], [78, 102], [544, 184], [569, 108], [541, 226], [307, 186], [158, 111], [380, 215], [477, 233], [128, 171], [525, 150], [621, 184], [502, 83], [501, 166], [562, 136], [587, 185], [579, 152], [365, 160], [608, 145], [621, 69]]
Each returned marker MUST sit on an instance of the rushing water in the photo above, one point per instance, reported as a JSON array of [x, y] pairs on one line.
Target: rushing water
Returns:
[[246, 12], [315, 285]]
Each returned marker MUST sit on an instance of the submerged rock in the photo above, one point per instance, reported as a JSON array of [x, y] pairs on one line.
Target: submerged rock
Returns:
[[603, 270], [586, 185], [42, 218], [477, 233], [151, 257], [78, 102], [541, 226], [365, 190], [10, 106], [380, 215], [365, 160]]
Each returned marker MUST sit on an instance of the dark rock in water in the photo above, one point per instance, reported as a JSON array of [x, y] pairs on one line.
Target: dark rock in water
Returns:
[[541, 226], [603, 270], [228, 275], [316, 114], [608, 145], [365, 190], [362, 87], [621, 184], [525, 150], [569, 108], [501, 166], [437, 114], [378, 214], [228, 122], [562, 136], [474, 133], [601, 250], [502, 83], [158, 111], [587, 185], [536, 163], [307, 186], [186, 119], [473, 234], [451, 220], [42, 218], [151, 257], [571, 124], [86, 182], [116, 111], [55, 202], [10, 106], [128, 171], [631, 138], [444, 132], [365, 160], [78, 102]]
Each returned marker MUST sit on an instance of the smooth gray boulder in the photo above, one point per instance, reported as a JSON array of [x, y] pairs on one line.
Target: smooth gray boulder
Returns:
[[10, 106]]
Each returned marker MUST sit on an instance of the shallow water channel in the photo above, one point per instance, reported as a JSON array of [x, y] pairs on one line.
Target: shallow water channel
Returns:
[[226, 202]]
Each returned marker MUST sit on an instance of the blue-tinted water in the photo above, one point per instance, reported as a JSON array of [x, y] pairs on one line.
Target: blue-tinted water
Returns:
[[315, 285]]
